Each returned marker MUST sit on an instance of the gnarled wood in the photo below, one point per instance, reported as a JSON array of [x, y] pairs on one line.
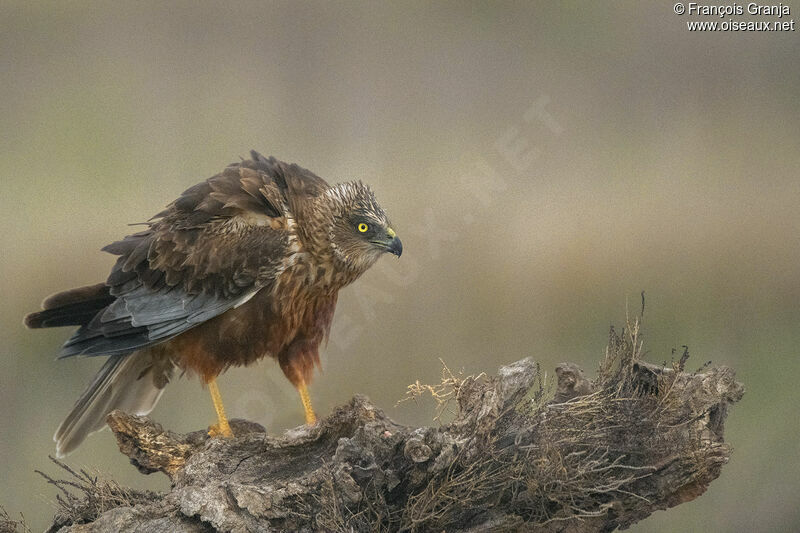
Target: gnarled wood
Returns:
[[601, 454]]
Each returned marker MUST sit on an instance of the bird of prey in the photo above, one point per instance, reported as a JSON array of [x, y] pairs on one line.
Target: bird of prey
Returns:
[[244, 265]]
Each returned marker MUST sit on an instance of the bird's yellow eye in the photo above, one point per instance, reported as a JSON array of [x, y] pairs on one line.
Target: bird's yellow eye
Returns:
[[363, 227]]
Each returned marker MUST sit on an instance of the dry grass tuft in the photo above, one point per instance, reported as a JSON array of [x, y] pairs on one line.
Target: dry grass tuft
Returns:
[[549, 462], [443, 393], [371, 514], [84, 497], [9, 525]]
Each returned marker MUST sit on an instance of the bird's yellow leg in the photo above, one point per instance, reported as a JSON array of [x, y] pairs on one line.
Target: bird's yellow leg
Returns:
[[311, 418], [221, 428]]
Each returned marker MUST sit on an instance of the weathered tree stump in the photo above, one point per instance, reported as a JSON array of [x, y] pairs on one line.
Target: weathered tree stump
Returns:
[[598, 455]]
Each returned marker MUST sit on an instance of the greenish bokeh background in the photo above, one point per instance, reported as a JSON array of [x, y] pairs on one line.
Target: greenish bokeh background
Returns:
[[543, 162]]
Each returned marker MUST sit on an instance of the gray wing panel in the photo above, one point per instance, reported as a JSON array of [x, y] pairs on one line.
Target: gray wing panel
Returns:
[[144, 317]]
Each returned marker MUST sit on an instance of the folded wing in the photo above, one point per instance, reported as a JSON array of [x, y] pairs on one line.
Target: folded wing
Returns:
[[210, 250]]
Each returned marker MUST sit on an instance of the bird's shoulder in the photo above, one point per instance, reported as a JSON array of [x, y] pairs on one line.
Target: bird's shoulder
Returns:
[[225, 235], [211, 251]]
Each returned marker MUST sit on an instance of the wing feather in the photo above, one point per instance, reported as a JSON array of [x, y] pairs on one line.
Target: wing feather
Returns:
[[145, 317]]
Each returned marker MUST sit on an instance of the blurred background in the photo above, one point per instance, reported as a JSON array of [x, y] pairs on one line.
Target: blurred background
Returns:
[[543, 163]]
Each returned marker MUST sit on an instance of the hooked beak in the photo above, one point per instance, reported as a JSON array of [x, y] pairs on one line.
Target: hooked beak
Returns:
[[395, 246]]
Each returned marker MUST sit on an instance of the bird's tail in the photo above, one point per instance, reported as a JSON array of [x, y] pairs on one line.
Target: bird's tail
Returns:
[[75, 307], [130, 382]]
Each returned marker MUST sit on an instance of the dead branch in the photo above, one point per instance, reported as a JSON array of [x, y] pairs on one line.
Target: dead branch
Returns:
[[598, 455]]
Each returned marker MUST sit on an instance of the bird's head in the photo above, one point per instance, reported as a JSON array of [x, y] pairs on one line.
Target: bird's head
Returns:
[[360, 231]]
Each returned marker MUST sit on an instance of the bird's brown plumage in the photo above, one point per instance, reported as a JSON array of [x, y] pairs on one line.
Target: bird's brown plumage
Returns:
[[244, 265]]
